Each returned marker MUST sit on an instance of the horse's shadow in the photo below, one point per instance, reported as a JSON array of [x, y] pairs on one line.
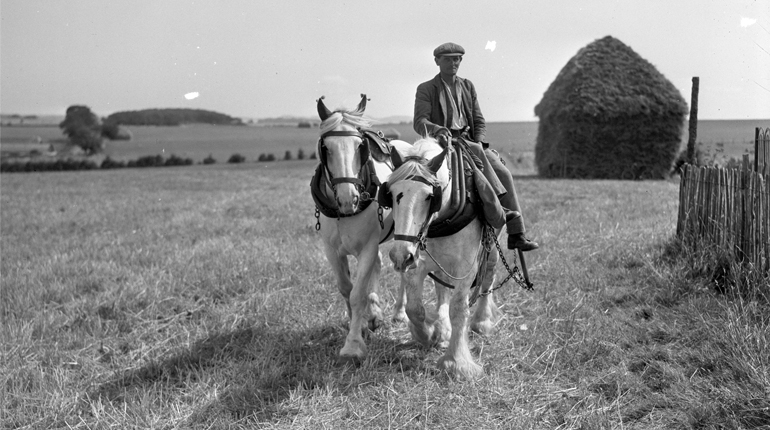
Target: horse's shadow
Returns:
[[256, 369]]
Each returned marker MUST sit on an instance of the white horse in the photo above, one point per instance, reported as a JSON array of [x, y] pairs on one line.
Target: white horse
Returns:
[[355, 226], [420, 189]]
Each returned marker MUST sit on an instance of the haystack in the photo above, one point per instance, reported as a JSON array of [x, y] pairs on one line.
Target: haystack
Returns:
[[609, 114]]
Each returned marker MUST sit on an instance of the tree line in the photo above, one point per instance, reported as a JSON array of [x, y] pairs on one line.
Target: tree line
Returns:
[[86, 130], [171, 117]]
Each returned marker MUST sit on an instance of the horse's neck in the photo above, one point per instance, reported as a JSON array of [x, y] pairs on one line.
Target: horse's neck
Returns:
[[457, 249], [446, 191]]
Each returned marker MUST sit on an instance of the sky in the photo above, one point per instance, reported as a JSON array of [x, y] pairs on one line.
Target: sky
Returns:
[[259, 59]]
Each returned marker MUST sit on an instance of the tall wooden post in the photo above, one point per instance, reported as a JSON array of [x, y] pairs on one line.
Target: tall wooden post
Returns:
[[693, 130], [756, 149]]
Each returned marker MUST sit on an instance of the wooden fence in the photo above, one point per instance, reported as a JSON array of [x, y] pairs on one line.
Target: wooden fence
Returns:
[[762, 150], [728, 208]]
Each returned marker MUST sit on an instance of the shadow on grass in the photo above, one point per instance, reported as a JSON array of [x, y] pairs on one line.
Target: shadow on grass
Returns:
[[253, 371]]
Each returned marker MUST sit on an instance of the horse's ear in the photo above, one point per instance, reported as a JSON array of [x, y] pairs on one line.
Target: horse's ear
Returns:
[[323, 111], [361, 106], [435, 163], [395, 156]]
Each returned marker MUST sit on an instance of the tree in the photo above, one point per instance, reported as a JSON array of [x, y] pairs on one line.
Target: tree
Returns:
[[287, 155], [83, 129], [300, 154]]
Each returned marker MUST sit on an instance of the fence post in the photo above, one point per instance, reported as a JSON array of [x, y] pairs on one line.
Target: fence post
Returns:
[[693, 129], [756, 149]]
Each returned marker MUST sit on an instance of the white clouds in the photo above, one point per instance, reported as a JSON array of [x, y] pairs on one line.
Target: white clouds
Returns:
[[747, 22], [491, 45], [192, 95]]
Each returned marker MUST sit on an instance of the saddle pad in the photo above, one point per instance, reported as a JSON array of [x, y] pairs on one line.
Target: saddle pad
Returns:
[[379, 147]]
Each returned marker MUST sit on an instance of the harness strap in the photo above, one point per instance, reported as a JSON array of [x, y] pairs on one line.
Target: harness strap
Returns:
[[345, 179], [406, 237], [436, 278], [342, 133]]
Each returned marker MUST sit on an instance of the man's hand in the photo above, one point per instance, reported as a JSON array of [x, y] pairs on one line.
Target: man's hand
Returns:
[[443, 140], [443, 137]]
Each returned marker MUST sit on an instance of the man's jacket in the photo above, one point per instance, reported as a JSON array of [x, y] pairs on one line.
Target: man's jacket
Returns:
[[429, 117]]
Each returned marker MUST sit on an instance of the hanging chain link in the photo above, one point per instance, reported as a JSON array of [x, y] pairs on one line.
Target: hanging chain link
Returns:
[[514, 273], [379, 216], [317, 219]]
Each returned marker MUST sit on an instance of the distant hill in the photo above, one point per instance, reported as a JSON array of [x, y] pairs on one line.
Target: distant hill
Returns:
[[287, 121], [293, 121], [171, 117], [30, 120]]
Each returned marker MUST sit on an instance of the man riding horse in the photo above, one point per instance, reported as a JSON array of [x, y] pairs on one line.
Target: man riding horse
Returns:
[[446, 107]]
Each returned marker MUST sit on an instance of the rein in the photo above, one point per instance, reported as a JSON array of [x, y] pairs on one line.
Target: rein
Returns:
[[422, 236]]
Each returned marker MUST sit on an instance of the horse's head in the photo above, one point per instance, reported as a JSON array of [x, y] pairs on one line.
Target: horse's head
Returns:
[[343, 153], [415, 191]]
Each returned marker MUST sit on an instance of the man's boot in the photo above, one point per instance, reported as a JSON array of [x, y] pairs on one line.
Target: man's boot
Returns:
[[518, 240]]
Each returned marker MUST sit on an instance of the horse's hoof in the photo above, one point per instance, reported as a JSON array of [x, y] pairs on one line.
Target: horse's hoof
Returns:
[[349, 360], [374, 324], [399, 318], [483, 328], [461, 369]]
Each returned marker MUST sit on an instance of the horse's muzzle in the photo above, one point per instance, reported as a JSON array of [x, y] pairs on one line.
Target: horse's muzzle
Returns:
[[347, 201], [403, 256]]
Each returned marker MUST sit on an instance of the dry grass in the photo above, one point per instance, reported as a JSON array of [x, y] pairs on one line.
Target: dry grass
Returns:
[[199, 297]]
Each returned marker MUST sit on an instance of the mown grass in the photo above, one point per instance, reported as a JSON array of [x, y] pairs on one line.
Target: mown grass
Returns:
[[199, 297]]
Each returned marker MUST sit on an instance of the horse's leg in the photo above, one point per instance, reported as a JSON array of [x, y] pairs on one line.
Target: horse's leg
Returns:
[[458, 359], [487, 314], [399, 313], [371, 283], [421, 327], [364, 304], [441, 323], [341, 269]]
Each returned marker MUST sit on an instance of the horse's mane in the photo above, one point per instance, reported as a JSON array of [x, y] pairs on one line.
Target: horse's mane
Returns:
[[355, 118], [416, 161]]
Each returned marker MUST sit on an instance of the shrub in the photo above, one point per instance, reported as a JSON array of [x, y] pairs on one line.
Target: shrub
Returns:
[[109, 163], [287, 155], [48, 166], [312, 156], [236, 158], [262, 157], [149, 161], [270, 157], [175, 160], [300, 154], [209, 160]]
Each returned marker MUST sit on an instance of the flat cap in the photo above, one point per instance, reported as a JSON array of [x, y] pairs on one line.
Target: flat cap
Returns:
[[449, 49]]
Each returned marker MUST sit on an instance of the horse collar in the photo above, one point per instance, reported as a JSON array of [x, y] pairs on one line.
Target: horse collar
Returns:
[[355, 133]]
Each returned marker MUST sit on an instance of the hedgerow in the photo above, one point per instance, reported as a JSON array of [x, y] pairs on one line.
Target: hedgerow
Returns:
[[75, 164]]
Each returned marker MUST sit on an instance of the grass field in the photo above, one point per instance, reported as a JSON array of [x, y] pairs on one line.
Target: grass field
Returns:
[[719, 139], [199, 297]]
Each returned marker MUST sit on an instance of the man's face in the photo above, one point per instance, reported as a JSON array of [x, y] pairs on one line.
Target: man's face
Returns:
[[449, 65]]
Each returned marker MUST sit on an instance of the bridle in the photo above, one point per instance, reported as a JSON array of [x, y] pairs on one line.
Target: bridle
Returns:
[[324, 113], [364, 154], [434, 207]]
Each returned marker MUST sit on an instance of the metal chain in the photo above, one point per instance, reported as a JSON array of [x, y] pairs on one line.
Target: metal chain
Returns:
[[317, 219], [379, 216], [515, 273]]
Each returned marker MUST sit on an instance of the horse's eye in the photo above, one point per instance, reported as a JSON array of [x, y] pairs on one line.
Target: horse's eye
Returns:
[[398, 198]]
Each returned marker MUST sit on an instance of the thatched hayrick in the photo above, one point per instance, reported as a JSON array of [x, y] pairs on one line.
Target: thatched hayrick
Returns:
[[609, 114]]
